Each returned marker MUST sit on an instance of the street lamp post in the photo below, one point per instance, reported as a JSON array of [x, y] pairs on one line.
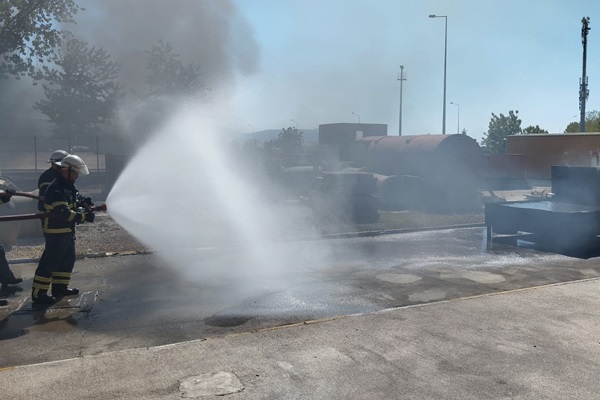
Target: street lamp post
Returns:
[[401, 78], [445, 57], [357, 116], [458, 117]]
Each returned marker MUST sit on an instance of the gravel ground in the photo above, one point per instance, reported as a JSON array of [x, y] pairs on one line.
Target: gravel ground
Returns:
[[104, 236]]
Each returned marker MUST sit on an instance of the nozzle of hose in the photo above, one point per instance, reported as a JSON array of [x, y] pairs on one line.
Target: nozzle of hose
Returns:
[[101, 207]]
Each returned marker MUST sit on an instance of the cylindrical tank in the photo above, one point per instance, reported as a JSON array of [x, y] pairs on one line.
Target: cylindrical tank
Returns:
[[450, 168]]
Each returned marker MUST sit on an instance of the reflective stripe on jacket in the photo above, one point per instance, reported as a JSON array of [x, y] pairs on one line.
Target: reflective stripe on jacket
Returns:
[[61, 200], [44, 181]]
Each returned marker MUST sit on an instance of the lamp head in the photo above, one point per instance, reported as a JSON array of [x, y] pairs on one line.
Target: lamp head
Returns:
[[432, 15]]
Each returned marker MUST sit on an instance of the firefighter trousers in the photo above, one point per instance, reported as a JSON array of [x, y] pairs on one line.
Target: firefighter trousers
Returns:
[[56, 264], [6, 274]]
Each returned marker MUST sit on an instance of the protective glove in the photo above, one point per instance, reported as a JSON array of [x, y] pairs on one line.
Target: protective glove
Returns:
[[6, 195], [89, 217], [87, 202]]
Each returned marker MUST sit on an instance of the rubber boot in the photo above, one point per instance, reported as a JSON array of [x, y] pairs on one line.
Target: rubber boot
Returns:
[[43, 298], [15, 281], [39, 290], [61, 290]]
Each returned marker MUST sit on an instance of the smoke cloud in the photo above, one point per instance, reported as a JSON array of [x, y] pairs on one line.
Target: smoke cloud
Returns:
[[212, 34]]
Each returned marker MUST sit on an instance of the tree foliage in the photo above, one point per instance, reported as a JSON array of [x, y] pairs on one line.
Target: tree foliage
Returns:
[[289, 141], [29, 35], [533, 129], [81, 94], [170, 76], [573, 127], [499, 128], [592, 123]]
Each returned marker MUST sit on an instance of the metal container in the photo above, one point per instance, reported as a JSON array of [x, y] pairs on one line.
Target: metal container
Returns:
[[449, 168], [567, 223], [580, 185], [559, 227], [542, 151]]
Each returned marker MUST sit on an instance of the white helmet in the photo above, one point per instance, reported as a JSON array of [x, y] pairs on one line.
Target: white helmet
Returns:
[[75, 163], [57, 156]]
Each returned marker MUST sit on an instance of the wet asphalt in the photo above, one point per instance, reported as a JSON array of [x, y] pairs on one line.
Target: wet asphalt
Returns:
[[141, 301]]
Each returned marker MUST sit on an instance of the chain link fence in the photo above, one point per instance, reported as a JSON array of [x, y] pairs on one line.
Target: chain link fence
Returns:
[[24, 158], [31, 153]]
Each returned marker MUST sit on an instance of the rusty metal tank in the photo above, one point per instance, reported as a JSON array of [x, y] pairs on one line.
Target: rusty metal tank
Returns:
[[449, 168]]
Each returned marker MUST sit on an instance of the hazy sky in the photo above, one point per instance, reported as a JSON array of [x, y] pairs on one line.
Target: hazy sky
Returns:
[[309, 62], [320, 61]]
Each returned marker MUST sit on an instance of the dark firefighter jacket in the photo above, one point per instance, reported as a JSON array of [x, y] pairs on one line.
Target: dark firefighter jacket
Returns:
[[61, 200], [44, 181]]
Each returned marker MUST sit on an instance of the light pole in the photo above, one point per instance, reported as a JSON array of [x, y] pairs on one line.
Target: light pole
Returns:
[[401, 78], [584, 92], [445, 56], [357, 116], [458, 117]]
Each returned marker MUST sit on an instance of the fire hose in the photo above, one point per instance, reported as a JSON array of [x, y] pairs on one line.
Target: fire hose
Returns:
[[5, 218], [30, 195]]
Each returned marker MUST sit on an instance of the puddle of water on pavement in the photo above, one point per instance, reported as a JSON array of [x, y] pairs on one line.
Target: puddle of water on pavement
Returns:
[[57, 318], [483, 277], [399, 278]]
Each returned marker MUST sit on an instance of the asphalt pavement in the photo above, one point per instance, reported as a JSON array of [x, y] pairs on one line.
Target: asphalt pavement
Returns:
[[428, 315]]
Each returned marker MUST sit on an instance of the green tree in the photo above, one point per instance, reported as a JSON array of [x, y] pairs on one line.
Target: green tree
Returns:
[[82, 93], [289, 141], [573, 127], [499, 128], [534, 129], [169, 76], [29, 35], [592, 123]]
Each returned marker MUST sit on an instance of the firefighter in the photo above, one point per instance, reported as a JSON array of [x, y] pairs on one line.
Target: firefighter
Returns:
[[6, 275], [58, 259], [49, 175]]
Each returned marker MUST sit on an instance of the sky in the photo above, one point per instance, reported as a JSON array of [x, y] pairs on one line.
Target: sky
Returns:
[[272, 64], [328, 61]]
